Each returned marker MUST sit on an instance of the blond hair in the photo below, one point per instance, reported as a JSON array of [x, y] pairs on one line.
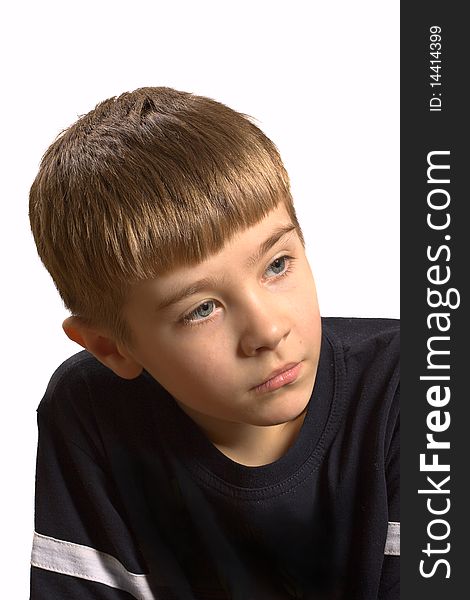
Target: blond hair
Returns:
[[146, 181]]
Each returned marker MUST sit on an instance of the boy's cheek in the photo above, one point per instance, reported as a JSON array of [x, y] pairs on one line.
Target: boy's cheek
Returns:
[[180, 367]]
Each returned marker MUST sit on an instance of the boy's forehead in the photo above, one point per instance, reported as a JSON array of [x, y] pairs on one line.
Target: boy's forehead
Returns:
[[244, 249], [250, 243]]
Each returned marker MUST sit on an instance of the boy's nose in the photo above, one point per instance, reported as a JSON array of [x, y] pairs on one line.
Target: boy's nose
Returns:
[[265, 325]]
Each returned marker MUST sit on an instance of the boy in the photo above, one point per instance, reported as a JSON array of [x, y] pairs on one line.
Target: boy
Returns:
[[217, 438]]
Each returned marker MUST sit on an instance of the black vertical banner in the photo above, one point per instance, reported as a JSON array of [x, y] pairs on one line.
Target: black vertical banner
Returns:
[[435, 259]]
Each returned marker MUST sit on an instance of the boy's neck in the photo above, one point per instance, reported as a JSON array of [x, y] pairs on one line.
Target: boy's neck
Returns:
[[250, 445]]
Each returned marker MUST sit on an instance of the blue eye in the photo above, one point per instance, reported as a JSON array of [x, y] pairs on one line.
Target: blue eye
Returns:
[[203, 311], [278, 265]]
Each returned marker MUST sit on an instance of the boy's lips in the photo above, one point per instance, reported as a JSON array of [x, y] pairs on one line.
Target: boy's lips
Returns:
[[279, 377]]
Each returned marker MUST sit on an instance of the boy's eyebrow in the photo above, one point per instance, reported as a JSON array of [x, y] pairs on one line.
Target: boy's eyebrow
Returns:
[[278, 233], [200, 284], [190, 290]]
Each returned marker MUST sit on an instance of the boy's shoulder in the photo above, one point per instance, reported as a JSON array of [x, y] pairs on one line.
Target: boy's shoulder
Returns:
[[367, 348], [75, 373], [86, 404], [367, 378], [81, 380], [354, 333]]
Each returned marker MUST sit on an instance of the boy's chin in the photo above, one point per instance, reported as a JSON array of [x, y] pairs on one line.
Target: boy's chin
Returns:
[[287, 411]]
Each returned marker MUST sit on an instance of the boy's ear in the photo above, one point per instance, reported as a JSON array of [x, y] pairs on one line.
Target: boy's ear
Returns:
[[103, 347]]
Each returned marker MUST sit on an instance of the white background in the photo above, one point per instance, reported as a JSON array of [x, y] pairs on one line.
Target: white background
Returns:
[[321, 79]]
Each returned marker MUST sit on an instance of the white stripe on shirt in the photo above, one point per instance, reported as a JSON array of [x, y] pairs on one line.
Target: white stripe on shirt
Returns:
[[87, 563], [392, 544]]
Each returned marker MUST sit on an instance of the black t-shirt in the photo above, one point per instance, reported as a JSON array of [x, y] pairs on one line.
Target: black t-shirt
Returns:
[[133, 501]]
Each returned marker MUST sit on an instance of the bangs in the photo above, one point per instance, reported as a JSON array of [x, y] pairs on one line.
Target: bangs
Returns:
[[185, 224]]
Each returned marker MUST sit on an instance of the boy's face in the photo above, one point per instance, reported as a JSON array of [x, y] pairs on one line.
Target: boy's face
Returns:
[[212, 333]]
